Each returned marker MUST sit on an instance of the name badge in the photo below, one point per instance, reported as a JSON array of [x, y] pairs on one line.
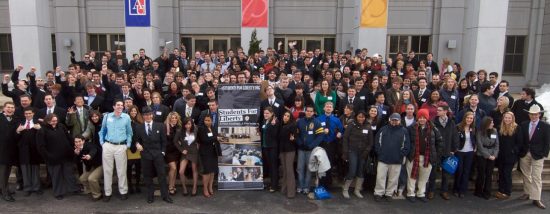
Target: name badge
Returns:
[[86, 98], [362, 97], [276, 105], [365, 131], [373, 127], [423, 100], [310, 132], [493, 136], [158, 131], [210, 134], [400, 73], [323, 124], [199, 94], [453, 97], [263, 127], [158, 113], [384, 112], [369, 71], [329, 98], [103, 88]]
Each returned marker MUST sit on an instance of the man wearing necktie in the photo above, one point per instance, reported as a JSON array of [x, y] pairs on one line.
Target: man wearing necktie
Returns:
[[212, 111], [151, 142], [533, 151], [29, 158], [77, 117], [352, 99], [8, 148]]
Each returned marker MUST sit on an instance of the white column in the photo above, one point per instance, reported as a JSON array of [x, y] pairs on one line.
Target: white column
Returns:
[[31, 34], [485, 35], [371, 26], [532, 67], [142, 36]]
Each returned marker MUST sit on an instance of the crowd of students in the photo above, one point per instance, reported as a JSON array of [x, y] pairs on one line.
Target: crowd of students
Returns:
[[393, 119]]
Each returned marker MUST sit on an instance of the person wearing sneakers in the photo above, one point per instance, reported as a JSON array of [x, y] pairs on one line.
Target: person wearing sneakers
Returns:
[[391, 145], [535, 147], [357, 143], [422, 156]]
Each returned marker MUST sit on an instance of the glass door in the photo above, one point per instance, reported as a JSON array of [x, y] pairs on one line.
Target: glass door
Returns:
[[312, 44], [202, 45]]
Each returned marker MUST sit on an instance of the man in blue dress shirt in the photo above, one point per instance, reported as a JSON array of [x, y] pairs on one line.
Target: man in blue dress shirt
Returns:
[[115, 137]]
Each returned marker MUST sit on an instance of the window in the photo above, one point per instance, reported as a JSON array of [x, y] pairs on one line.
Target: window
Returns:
[[6, 53], [208, 43], [54, 51], [421, 45], [102, 42], [308, 43], [514, 55]]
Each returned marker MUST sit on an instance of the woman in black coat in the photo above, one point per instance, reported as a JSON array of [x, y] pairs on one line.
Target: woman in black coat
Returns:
[[55, 144], [287, 147], [209, 150], [269, 132], [510, 139]]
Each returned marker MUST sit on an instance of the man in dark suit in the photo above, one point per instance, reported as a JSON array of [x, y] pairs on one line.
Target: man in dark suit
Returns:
[[29, 158], [213, 112], [393, 94], [126, 92], [350, 98], [93, 100], [151, 142], [36, 87], [51, 107], [503, 87], [535, 148], [189, 109], [8, 148], [432, 64], [384, 111], [422, 94], [160, 111], [20, 87], [277, 104], [522, 105]]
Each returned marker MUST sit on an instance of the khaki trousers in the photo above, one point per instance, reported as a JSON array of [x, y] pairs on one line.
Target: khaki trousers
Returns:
[[90, 180], [111, 154], [389, 172], [532, 176], [423, 176]]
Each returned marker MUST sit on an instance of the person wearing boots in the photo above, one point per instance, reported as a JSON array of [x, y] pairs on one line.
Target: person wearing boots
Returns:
[[422, 156], [357, 144]]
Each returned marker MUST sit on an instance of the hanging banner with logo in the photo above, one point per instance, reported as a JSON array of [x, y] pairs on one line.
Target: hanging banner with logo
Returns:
[[240, 167], [137, 13], [254, 13], [374, 13]]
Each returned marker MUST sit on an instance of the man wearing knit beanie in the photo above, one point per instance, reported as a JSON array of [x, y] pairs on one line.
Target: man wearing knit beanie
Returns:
[[422, 156]]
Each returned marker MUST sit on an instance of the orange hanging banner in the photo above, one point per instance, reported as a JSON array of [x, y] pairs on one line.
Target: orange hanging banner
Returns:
[[254, 13], [374, 13]]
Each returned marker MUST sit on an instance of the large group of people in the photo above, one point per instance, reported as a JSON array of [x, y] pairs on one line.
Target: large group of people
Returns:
[[384, 123]]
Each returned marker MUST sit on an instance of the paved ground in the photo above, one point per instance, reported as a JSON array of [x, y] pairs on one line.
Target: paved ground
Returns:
[[263, 202]]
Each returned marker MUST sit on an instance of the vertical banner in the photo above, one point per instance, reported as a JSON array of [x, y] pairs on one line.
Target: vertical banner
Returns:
[[254, 13], [374, 13], [137, 13], [240, 167]]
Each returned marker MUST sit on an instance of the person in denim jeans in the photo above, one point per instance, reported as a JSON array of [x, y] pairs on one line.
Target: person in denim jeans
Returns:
[[357, 144], [310, 134]]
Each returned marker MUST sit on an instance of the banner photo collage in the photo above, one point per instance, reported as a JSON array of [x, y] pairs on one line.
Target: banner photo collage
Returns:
[[240, 167]]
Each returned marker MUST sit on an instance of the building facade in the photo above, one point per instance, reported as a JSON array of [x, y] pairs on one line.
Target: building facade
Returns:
[[511, 37]]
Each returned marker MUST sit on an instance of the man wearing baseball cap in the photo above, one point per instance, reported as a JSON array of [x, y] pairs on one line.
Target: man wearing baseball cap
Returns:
[[391, 146]]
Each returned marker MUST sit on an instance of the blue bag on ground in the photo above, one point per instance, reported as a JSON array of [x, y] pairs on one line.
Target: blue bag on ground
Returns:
[[450, 164], [321, 193]]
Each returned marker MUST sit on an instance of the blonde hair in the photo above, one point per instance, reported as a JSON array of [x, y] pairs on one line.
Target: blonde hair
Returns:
[[505, 103], [167, 121], [508, 130]]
